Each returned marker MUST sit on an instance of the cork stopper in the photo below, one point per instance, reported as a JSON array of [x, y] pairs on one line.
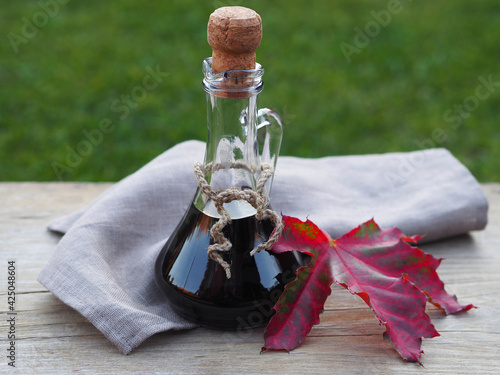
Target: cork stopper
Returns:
[[234, 33]]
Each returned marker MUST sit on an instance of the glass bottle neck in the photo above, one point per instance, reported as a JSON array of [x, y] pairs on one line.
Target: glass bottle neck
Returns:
[[232, 148], [232, 142]]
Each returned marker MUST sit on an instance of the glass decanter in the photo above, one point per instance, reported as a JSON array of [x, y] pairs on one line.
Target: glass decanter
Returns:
[[239, 289]]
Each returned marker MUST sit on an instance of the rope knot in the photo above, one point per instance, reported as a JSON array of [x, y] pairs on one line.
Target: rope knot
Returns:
[[257, 199]]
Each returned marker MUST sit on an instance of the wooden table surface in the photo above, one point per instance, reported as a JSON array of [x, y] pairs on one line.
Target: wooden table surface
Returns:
[[52, 338]]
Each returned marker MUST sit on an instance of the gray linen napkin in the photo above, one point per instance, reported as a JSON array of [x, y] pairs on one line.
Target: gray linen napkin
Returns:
[[103, 265]]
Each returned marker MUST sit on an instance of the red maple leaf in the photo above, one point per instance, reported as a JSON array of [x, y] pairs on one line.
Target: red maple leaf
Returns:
[[394, 278]]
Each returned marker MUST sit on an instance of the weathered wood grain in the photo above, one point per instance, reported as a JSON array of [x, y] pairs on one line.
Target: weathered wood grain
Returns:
[[54, 339]]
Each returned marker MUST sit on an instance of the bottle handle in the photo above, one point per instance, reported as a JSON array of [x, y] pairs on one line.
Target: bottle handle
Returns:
[[269, 135]]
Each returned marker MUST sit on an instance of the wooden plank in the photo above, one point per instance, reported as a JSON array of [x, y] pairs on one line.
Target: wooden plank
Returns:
[[54, 339]]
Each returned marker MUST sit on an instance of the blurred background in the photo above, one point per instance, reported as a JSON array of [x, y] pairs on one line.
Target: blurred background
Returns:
[[348, 77]]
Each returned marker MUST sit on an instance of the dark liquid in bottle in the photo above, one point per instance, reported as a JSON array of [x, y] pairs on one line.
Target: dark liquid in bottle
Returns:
[[197, 286]]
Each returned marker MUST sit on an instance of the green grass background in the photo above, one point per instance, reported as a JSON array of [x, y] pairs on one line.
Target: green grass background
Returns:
[[391, 96]]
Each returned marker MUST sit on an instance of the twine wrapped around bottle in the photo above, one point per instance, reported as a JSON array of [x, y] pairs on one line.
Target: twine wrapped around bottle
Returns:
[[257, 199]]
